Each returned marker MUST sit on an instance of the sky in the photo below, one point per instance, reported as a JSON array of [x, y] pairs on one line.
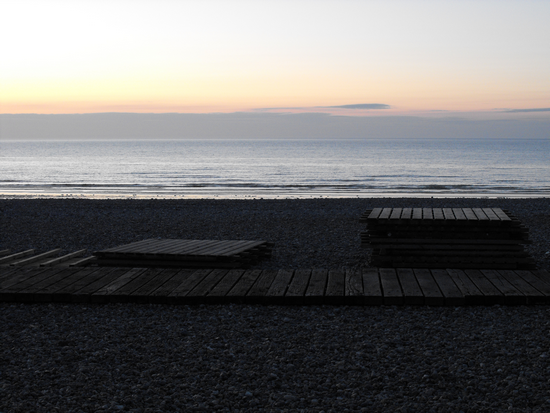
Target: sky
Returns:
[[477, 60]]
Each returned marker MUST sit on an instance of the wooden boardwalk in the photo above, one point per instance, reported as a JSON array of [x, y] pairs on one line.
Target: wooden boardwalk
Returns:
[[376, 286]]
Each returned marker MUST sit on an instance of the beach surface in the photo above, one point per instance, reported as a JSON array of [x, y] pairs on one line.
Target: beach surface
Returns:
[[246, 358], [307, 233]]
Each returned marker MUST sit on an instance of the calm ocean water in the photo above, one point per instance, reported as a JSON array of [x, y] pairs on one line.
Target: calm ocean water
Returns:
[[276, 168]]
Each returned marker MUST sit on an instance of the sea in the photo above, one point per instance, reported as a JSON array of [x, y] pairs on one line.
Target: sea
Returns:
[[338, 168]]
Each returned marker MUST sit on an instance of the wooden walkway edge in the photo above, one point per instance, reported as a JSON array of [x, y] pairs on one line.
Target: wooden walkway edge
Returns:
[[384, 286]]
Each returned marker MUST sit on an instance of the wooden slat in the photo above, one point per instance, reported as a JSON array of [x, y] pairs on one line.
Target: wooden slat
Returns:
[[407, 213], [103, 295], [448, 213], [219, 292], [430, 289], [469, 214], [297, 288], [31, 293], [469, 290], [532, 295], [4, 252], [20, 276], [511, 295], [385, 214], [63, 258], [451, 293], [491, 293], [417, 213], [316, 289], [412, 294], [335, 287], [427, 213], [393, 295], [257, 293], [278, 286], [81, 290], [459, 214], [372, 290], [353, 287], [375, 213], [12, 257], [438, 213], [153, 280], [490, 214], [538, 283], [239, 291], [36, 258], [197, 294], [501, 214], [161, 295], [396, 213], [480, 214], [178, 295]]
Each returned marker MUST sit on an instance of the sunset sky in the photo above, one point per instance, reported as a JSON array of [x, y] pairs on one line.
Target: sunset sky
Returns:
[[407, 57]]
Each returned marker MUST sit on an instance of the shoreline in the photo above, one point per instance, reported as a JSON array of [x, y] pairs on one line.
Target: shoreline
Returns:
[[307, 233]]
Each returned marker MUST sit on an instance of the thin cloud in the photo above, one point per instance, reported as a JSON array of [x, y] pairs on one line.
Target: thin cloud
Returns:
[[527, 110], [358, 106]]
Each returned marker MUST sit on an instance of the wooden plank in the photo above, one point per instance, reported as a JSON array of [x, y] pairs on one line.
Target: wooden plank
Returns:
[[315, 292], [278, 287], [20, 276], [412, 294], [218, 294], [80, 290], [472, 295], [353, 287], [239, 291], [178, 295], [8, 272], [153, 281], [60, 292], [430, 289], [451, 293], [459, 214], [417, 213], [490, 292], [406, 213], [501, 214], [427, 213], [438, 214], [335, 287], [260, 288], [480, 214], [297, 287], [490, 214], [126, 247], [538, 283], [103, 295], [63, 258], [372, 290], [36, 258], [532, 295], [375, 213], [33, 292], [511, 295], [25, 281], [448, 214], [197, 294], [469, 214], [4, 252], [385, 214], [393, 295], [83, 262], [12, 257], [396, 213], [161, 294]]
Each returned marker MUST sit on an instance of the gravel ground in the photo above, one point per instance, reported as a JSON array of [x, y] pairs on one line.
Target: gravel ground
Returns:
[[147, 358], [308, 233]]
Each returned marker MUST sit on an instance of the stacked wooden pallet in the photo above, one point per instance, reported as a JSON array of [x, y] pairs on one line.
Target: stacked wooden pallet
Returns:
[[166, 253], [482, 238], [53, 258]]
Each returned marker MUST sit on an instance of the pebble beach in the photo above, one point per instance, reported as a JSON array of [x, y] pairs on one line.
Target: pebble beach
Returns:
[[242, 358]]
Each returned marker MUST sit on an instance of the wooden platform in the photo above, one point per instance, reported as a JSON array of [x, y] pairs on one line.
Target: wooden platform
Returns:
[[181, 253], [384, 286], [467, 238]]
